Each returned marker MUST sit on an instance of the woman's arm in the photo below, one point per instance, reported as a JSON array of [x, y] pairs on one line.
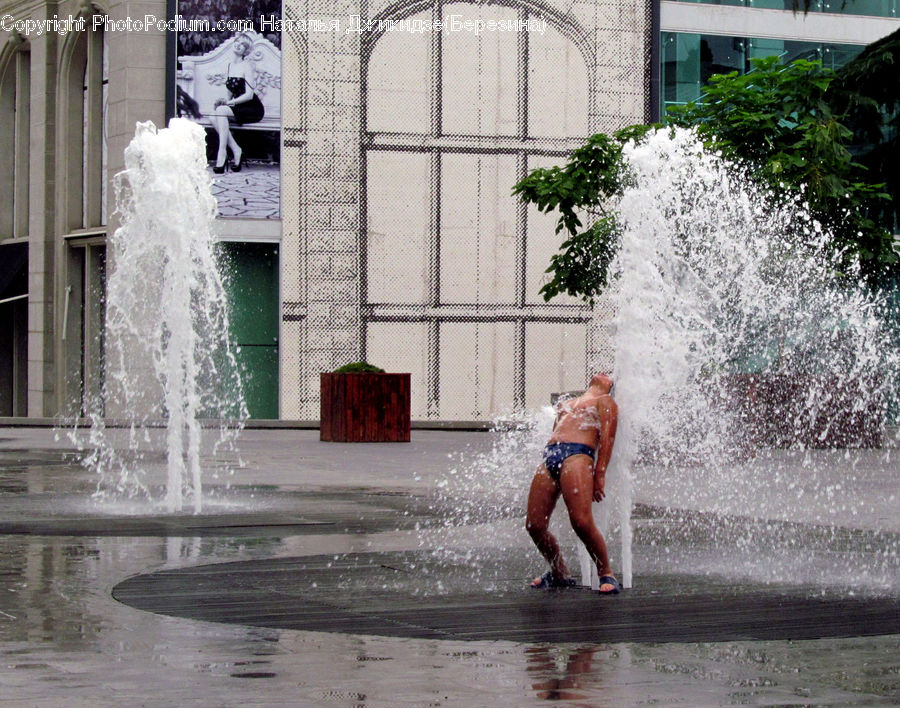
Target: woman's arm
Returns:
[[609, 420]]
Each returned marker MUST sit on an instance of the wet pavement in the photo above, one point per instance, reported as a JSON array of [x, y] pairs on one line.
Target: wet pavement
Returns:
[[343, 535]]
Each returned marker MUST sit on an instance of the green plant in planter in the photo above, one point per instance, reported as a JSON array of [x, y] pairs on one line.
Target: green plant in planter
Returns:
[[358, 367]]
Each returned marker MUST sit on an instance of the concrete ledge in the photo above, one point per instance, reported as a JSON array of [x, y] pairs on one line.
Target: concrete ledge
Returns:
[[18, 422]]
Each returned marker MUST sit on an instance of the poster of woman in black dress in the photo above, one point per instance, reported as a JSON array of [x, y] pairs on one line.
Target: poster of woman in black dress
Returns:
[[228, 79], [241, 107]]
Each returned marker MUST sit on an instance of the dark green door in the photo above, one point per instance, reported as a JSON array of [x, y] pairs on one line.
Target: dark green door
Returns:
[[253, 301]]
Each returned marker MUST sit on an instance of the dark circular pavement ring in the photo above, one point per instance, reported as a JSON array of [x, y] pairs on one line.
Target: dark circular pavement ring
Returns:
[[376, 594]]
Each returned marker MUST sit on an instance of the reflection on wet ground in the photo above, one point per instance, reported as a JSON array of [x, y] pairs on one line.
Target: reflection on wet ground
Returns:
[[64, 638]]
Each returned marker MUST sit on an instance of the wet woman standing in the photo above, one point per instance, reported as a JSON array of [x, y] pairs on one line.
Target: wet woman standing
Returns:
[[242, 106]]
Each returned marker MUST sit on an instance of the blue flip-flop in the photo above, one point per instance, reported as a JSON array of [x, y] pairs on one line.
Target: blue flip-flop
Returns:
[[610, 580], [549, 582]]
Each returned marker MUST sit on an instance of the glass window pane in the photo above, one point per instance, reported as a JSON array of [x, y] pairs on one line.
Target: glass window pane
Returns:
[[721, 55], [681, 67], [834, 56], [720, 2], [772, 4], [760, 48], [875, 8]]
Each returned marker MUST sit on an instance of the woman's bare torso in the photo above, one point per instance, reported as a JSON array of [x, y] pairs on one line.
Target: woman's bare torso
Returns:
[[579, 420]]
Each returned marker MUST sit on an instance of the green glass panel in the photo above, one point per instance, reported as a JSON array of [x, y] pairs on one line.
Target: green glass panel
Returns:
[[251, 281], [761, 48], [688, 60], [834, 56], [681, 67], [260, 378], [874, 8], [770, 4], [738, 3], [721, 55]]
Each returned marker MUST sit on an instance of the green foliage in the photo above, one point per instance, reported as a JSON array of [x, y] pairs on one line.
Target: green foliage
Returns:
[[358, 367], [777, 122], [581, 189], [580, 268]]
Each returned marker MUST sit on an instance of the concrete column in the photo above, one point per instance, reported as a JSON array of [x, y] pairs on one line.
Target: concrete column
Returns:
[[137, 81], [294, 382], [331, 247], [137, 90], [41, 220]]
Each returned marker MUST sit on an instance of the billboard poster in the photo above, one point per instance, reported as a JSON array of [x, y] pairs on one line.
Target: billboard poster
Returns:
[[228, 78]]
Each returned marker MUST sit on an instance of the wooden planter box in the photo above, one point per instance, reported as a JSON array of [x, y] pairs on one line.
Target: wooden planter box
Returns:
[[364, 407]]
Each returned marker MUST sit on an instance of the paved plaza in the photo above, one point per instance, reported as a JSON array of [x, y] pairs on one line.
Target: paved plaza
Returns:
[[394, 574]]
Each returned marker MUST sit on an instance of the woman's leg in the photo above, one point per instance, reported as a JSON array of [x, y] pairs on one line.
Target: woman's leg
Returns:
[[541, 501], [220, 121], [236, 151], [577, 483]]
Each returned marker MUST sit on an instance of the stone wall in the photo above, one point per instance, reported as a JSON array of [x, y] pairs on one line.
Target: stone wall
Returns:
[[401, 242]]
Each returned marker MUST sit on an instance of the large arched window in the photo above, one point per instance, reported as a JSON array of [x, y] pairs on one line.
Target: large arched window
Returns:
[[15, 117], [15, 108], [84, 129], [82, 202], [452, 263]]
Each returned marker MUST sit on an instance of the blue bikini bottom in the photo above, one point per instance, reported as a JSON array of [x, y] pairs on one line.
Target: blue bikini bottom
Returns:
[[556, 453]]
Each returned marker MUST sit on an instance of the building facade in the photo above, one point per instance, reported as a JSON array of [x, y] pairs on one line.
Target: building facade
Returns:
[[395, 238]]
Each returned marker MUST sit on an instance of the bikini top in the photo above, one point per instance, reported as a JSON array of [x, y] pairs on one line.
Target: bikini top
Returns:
[[587, 417]]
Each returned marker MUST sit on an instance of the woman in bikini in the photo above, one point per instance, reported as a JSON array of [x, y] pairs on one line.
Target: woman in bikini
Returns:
[[584, 425], [241, 107]]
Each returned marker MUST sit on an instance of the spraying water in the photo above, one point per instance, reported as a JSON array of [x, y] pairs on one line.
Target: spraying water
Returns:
[[739, 348], [169, 359], [716, 281]]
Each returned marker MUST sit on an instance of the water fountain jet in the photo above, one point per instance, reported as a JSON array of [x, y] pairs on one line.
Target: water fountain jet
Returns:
[[169, 358], [719, 290], [717, 279]]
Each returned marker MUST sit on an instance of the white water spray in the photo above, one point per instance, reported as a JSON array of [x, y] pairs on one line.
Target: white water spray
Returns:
[[169, 360], [715, 280], [719, 290]]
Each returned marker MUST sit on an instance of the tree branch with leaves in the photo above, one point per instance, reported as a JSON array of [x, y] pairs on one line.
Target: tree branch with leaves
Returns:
[[776, 123]]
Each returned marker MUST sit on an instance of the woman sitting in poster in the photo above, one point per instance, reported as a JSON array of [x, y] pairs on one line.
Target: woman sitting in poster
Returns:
[[242, 106]]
